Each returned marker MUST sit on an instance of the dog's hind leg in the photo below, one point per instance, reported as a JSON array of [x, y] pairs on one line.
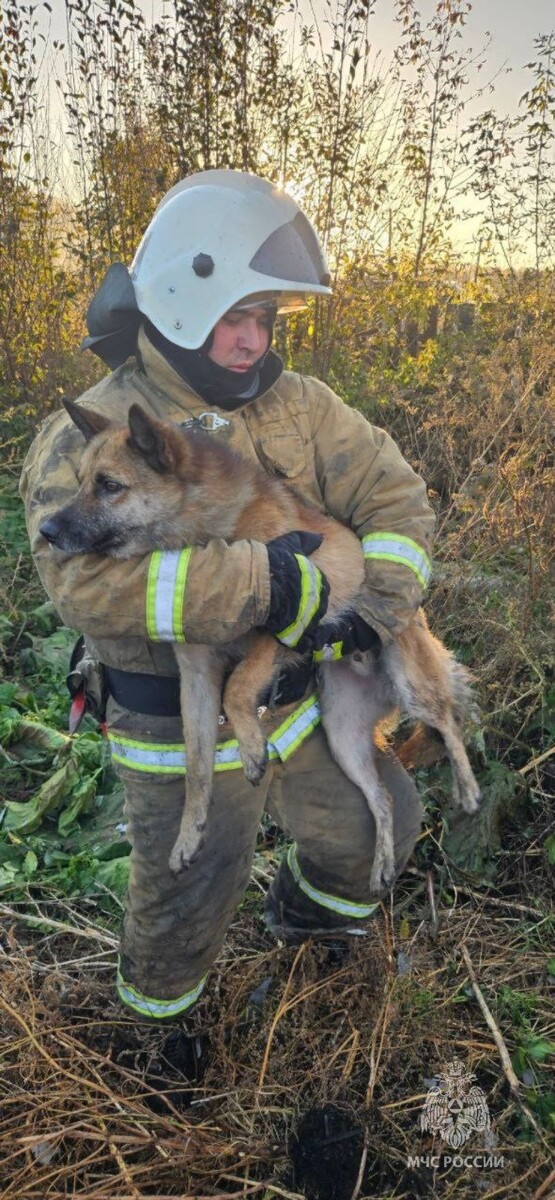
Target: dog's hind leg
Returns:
[[201, 674], [250, 679], [466, 790], [434, 688], [354, 698]]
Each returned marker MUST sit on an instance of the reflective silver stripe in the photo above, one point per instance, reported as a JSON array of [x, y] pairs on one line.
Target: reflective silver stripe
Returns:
[[165, 592], [165, 759], [149, 1007], [148, 756], [227, 755], [347, 908], [310, 599], [289, 736], [171, 759], [397, 548]]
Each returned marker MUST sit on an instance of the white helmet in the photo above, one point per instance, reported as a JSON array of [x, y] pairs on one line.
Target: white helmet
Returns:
[[219, 240]]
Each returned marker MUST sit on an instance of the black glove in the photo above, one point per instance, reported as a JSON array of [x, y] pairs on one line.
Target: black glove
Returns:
[[298, 590], [335, 639]]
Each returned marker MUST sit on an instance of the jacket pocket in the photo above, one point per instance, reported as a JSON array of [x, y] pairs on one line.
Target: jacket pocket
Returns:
[[281, 450]]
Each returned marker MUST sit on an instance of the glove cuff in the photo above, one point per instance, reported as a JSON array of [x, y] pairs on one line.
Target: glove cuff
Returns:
[[309, 604]]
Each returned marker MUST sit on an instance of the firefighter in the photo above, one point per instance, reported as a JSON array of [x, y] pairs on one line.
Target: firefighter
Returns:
[[187, 332]]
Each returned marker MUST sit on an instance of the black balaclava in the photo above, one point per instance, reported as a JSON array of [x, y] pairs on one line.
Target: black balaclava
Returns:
[[215, 384]]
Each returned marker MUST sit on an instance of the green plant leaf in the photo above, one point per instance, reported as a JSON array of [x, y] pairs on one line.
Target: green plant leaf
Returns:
[[25, 818], [549, 849], [540, 1050], [82, 799], [30, 862]]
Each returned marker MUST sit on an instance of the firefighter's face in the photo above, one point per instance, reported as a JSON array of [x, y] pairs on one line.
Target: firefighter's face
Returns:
[[240, 338]]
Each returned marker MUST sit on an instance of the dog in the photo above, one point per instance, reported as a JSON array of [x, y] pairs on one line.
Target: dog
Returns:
[[151, 485]]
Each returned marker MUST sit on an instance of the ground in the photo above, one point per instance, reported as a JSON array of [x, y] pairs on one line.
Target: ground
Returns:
[[303, 1071]]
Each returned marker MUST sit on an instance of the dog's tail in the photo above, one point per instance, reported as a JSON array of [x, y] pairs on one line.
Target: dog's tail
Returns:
[[465, 707]]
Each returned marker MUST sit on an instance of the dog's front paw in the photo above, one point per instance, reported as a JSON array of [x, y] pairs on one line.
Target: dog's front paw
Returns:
[[186, 849], [254, 765]]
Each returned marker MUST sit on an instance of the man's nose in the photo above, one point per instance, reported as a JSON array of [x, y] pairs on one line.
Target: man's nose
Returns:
[[252, 338]]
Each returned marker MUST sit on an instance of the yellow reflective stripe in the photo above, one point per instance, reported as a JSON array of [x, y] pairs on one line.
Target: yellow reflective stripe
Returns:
[[394, 547], [153, 568], [149, 1007], [346, 908], [329, 653], [311, 588], [165, 594], [179, 594], [295, 730], [169, 758], [290, 720]]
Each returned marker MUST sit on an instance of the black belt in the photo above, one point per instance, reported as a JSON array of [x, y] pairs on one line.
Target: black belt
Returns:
[[158, 695], [153, 695]]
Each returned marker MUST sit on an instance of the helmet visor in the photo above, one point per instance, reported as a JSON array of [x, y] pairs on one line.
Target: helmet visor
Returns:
[[292, 252]]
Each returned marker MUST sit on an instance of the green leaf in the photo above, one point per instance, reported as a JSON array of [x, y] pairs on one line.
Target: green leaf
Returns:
[[30, 862], [56, 649], [549, 849], [25, 818], [540, 1050], [114, 874], [44, 618], [8, 873], [33, 733], [82, 800]]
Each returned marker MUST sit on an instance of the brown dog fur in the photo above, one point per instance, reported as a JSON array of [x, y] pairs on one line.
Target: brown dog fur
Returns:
[[151, 485]]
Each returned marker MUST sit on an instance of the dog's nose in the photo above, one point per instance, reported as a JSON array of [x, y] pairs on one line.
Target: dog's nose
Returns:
[[50, 530]]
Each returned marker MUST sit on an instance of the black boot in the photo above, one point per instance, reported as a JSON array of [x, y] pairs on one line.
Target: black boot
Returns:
[[292, 917]]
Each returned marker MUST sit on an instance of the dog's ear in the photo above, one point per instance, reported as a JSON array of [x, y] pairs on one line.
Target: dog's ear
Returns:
[[153, 440], [88, 422]]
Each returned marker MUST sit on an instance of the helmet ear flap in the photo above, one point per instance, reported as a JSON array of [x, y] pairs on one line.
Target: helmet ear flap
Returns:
[[113, 318]]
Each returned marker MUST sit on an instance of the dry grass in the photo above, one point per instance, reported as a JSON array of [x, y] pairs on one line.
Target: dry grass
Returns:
[[355, 1039]]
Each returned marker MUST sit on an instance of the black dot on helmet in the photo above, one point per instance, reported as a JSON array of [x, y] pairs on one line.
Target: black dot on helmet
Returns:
[[203, 265]]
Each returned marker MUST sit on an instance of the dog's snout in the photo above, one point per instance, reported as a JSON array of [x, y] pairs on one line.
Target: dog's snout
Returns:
[[50, 530]]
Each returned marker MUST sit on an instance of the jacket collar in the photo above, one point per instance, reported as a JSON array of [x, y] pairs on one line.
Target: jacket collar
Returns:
[[164, 378]]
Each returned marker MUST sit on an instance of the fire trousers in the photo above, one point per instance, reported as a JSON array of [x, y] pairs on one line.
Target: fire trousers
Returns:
[[174, 926]]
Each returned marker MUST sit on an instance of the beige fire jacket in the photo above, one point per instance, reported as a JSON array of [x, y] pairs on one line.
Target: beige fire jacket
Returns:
[[134, 609]]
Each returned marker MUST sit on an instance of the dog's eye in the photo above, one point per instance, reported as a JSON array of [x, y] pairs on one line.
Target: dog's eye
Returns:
[[112, 486]]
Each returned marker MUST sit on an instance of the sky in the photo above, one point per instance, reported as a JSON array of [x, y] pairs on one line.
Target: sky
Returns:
[[506, 28], [512, 25]]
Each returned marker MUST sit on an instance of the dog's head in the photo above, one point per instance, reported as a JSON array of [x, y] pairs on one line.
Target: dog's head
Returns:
[[132, 480]]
